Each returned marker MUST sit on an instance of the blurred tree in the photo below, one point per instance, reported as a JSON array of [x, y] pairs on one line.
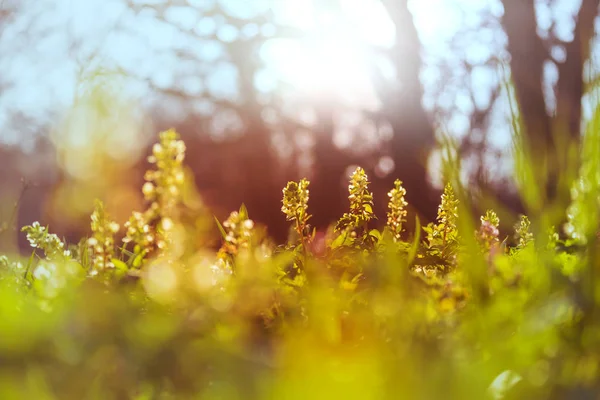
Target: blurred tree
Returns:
[[413, 132], [216, 87], [8, 10], [241, 161], [259, 176], [24, 180], [552, 127]]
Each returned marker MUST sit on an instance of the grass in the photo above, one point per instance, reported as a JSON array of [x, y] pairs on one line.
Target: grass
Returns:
[[455, 309]]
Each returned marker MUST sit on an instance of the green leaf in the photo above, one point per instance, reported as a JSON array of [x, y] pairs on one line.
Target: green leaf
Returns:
[[125, 252], [119, 265], [221, 229], [243, 211], [376, 234], [29, 264], [339, 241], [138, 260], [298, 250]]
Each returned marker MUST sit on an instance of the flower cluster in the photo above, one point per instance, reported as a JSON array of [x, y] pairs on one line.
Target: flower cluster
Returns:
[[583, 214], [361, 203], [163, 186], [102, 242], [39, 237], [443, 235], [397, 213], [238, 233], [151, 229], [581, 223], [448, 210], [139, 231], [385, 303], [295, 204], [553, 238], [488, 233], [523, 234]]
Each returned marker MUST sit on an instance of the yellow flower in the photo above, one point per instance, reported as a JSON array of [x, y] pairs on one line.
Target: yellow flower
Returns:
[[162, 189], [397, 209], [102, 242]]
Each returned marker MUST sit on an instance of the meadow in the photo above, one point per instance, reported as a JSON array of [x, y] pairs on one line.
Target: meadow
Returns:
[[452, 309]]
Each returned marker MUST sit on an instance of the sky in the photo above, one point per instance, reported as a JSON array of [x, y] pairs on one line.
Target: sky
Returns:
[[44, 68]]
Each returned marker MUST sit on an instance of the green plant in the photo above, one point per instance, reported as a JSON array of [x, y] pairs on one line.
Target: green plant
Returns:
[[295, 207], [396, 216], [523, 234], [354, 224], [457, 314], [488, 231], [39, 238], [102, 243], [150, 231], [442, 237]]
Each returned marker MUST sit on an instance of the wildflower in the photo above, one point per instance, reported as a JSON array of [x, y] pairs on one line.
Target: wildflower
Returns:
[[522, 232], [148, 189], [152, 229], [238, 233], [396, 215], [488, 231], [49, 243], [164, 184], [448, 210], [443, 235], [138, 231], [553, 238], [361, 203], [295, 204], [102, 242]]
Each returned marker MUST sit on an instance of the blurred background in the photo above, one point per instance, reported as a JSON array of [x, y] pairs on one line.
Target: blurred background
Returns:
[[266, 91]]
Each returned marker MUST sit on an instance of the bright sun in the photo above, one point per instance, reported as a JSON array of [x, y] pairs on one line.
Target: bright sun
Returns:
[[332, 60]]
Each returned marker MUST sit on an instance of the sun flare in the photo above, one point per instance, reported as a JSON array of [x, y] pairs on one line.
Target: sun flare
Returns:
[[332, 59]]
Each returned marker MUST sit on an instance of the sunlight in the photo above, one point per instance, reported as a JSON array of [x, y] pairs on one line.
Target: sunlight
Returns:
[[332, 61], [330, 67]]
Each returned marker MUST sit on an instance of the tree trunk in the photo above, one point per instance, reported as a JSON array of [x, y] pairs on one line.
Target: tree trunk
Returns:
[[261, 179], [570, 87], [551, 141], [414, 136], [327, 194]]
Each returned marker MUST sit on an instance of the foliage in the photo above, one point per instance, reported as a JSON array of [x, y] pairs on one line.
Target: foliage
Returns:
[[442, 237], [295, 205], [522, 232], [102, 242], [356, 313], [237, 231], [488, 231], [354, 224], [39, 237], [397, 213], [150, 231]]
